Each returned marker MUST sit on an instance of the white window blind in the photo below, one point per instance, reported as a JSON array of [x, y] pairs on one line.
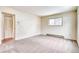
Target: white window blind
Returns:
[[56, 21]]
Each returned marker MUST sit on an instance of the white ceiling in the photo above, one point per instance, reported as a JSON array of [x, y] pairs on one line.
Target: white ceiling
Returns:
[[44, 10]]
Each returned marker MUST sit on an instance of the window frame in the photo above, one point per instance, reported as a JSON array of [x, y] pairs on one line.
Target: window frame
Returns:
[[54, 21]]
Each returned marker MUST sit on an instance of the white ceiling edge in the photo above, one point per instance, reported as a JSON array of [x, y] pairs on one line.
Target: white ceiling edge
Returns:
[[45, 10]]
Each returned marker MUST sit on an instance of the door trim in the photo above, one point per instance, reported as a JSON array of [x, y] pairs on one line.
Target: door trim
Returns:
[[13, 15]]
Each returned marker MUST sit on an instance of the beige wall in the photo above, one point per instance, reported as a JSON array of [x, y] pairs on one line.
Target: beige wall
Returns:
[[68, 30], [26, 24], [78, 26]]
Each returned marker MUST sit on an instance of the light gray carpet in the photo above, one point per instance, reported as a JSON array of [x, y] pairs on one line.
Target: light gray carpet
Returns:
[[40, 44]]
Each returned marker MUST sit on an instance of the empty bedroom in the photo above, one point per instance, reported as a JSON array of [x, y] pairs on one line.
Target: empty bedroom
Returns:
[[38, 29]]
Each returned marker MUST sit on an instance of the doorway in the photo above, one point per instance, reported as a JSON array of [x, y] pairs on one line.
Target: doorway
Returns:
[[8, 27]]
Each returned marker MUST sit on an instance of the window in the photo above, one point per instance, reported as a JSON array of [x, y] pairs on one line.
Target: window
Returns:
[[56, 21]]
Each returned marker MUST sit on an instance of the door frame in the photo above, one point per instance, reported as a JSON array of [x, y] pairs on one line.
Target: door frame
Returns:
[[13, 15]]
